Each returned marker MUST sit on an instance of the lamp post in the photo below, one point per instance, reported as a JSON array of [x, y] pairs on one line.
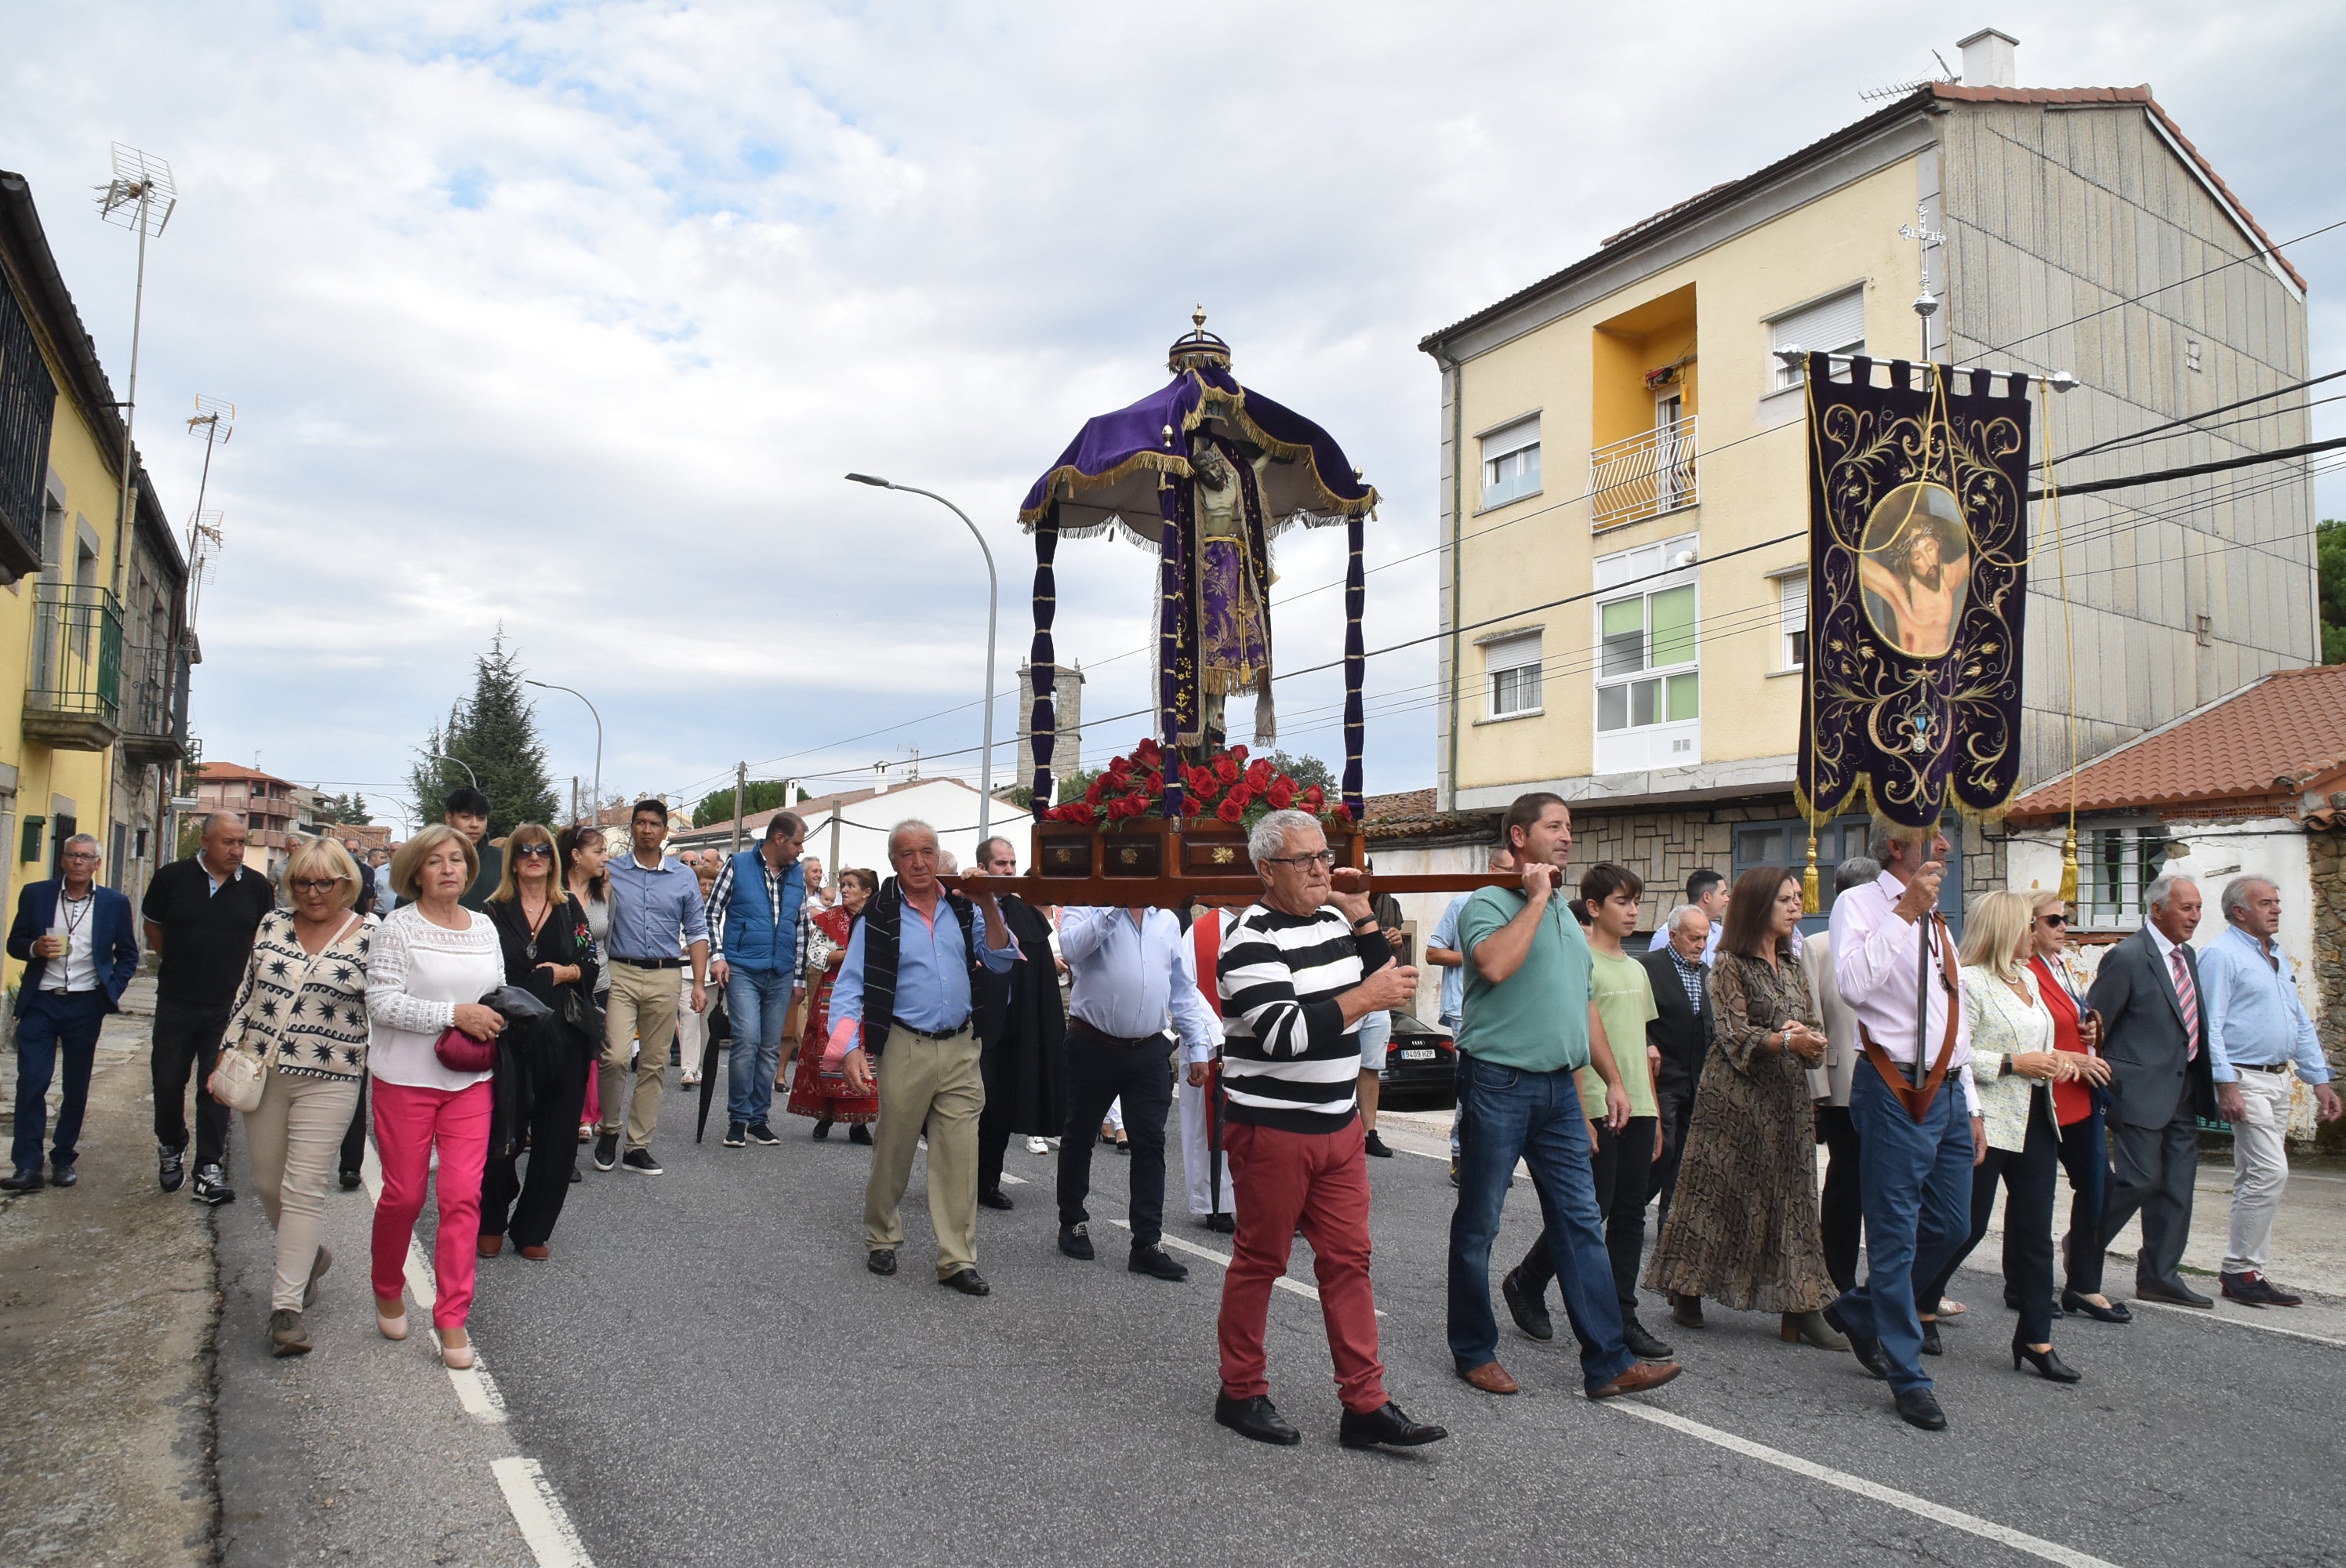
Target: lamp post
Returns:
[[993, 610], [550, 685], [443, 757]]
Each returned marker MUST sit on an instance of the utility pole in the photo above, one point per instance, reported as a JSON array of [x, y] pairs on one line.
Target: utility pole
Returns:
[[573, 797], [740, 795]]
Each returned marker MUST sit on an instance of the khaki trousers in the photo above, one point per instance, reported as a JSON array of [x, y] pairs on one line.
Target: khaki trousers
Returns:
[[295, 1138], [936, 1085], [2260, 1169], [642, 1006]]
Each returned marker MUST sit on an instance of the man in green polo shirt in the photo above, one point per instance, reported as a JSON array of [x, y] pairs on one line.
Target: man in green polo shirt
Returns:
[[1530, 1024]]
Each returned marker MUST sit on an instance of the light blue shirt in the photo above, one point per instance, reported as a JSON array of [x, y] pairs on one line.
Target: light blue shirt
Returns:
[[932, 970], [650, 906], [1453, 975], [2255, 1016], [1130, 979]]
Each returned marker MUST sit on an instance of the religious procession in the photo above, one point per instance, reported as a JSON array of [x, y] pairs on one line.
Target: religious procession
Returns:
[[1873, 946]]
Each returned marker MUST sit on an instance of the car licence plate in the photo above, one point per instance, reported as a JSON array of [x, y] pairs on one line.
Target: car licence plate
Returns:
[[1417, 1055]]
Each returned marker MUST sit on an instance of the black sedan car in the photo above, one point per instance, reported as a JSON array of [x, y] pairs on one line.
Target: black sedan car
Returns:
[[1421, 1063]]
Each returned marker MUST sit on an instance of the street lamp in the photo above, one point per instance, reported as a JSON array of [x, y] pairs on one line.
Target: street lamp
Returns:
[[442, 756], [992, 609], [548, 685]]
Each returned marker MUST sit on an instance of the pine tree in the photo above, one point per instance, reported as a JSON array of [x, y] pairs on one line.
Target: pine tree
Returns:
[[494, 733]]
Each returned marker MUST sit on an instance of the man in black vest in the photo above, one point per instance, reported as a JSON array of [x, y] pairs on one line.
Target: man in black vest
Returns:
[[1022, 1022], [1681, 1032], [905, 989]]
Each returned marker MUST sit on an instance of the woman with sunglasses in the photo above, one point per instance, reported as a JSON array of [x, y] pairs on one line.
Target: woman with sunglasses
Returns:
[[2078, 1102], [550, 953], [583, 853]]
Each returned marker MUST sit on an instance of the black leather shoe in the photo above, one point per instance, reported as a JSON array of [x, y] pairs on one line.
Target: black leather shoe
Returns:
[[1918, 1408], [62, 1173], [23, 1181], [606, 1150], [2047, 1362], [1865, 1347], [351, 1180], [1376, 1146], [2176, 1295], [1389, 1425], [1528, 1310], [1157, 1262], [1223, 1224], [1076, 1241], [880, 1260], [1931, 1345], [2250, 1290], [860, 1133], [969, 1282], [1642, 1345], [2076, 1306], [1257, 1418], [995, 1197]]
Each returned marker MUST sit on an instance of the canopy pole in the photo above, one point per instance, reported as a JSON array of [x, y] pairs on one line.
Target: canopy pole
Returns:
[[1042, 662], [1356, 595], [1170, 558]]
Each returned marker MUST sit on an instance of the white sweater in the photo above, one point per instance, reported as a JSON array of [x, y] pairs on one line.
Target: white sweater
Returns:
[[417, 974]]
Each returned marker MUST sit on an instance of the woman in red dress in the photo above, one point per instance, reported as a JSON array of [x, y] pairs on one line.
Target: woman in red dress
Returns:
[[815, 1093]]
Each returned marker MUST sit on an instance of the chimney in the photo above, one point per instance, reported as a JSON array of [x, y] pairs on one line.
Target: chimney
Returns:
[[1988, 59]]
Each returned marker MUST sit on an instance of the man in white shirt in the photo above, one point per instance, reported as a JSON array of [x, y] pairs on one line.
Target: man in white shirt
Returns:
[[75, 937], [1920, 1131], [1131, 972]]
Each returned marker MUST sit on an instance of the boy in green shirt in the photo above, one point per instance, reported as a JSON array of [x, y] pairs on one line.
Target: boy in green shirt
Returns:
[[1622, 1162]]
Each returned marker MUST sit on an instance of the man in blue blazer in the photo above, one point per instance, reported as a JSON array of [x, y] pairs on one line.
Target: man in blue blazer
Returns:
[[80, 953]]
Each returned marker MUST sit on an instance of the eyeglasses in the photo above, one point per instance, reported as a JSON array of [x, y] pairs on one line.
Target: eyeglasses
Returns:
[[81, 854], [535, 852], [2056, 921], [1325, 858], [316, 885]]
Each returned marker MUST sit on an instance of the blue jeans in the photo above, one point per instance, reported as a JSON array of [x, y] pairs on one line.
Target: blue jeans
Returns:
[[758, 1000], [1511, 1114], [48, 1022], [1916, 1182]]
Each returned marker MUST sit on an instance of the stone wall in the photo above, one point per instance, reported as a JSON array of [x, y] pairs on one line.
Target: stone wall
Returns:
[[1664, 847], [2325, 854]]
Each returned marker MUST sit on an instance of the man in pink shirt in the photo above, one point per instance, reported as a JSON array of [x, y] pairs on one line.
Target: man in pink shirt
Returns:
[[1919, 1132]]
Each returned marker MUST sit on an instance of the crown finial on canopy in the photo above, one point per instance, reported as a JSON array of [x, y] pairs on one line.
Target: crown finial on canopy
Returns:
[[1198, 349], [1197, 318]]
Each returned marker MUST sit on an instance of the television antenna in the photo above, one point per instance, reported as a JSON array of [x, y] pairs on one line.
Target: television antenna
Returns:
[[142, 196], [1899, 89], [215, 420]]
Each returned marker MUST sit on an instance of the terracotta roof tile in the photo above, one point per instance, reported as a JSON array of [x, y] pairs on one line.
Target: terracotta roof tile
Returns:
[[2270, 738]]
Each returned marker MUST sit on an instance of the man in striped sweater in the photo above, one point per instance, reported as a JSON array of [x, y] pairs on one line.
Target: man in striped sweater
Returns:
[[1299, 971]]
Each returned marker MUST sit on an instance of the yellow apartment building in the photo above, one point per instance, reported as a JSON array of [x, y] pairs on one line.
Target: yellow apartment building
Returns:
[[93, 650], [1623, 476]]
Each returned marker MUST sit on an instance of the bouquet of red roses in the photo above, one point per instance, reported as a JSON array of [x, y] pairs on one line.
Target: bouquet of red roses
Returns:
[[1235, 790]]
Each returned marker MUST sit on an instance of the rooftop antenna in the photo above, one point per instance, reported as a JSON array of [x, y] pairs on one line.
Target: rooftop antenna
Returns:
[[215, 420], [141, 196], [1899, 89]]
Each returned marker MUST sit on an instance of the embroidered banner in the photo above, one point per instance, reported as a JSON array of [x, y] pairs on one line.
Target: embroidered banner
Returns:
[[1918, 547]]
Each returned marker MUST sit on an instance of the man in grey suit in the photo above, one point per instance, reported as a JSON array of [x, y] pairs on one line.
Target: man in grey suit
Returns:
[[2155, 1036]]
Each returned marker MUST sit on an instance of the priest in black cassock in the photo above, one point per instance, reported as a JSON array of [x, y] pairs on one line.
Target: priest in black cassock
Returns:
[[1022, 1026]]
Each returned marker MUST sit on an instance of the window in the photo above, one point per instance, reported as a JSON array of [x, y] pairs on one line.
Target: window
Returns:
[[1512, 665], [1785, 843], [2114, 865], [1645, 640], [1792, 620], [1510, 462], [1831, 326]]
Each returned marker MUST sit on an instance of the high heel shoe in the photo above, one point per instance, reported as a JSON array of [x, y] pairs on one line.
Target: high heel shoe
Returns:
[[2047, 1362], [456, 1358], [1809, 1328], [392, 1324]]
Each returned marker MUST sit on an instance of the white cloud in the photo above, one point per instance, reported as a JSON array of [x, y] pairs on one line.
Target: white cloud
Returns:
[[571, 320]]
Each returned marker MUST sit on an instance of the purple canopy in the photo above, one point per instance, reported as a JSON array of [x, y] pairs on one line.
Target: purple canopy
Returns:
[[1109, 474]]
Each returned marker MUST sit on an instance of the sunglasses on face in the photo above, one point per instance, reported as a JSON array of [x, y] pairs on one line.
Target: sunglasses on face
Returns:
[[2056, 921], [535, 852]]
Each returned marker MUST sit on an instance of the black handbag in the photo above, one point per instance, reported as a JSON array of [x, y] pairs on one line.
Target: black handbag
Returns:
[[578, 1011]]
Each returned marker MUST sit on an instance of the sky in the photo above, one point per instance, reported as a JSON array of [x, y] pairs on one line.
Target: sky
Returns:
[[565, 321]]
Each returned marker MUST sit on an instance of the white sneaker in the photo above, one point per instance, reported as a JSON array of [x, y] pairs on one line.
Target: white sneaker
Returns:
[[1038, 1145]]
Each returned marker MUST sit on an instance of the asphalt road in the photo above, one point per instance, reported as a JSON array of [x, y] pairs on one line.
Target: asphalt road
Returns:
[[705, 1373]]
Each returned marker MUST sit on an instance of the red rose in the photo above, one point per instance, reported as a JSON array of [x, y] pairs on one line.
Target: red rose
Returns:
[[1314, 799], [1147, 752], [1202, 782], [1121, 770], [1238, 754], [1091, 794], [1342, 813], [1231, 810], [1241, 796], [1128, 808], [1076, 811], [1192, 806], [1259, 774], [1225, 770], [1281, 794], [1153, 784]]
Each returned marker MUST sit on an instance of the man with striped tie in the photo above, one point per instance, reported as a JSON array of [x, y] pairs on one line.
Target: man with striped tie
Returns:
[[1297, 971], [2155, 1040]]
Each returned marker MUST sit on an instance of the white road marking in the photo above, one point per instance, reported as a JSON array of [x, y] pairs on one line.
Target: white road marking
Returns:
[[545, 1523], [2205, 1316], [1954, 1519], [1223, 1259], [1009, 1180], [476, 1391]]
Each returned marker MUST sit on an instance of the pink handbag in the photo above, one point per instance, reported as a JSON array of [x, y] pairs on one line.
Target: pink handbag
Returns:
[[459, 1052]]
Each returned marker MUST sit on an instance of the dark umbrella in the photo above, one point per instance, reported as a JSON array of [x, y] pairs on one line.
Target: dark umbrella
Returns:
[[719, 1030]]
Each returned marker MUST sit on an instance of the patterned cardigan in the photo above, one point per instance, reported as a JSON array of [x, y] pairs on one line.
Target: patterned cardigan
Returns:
[[2003, 1025], [315, 1028]]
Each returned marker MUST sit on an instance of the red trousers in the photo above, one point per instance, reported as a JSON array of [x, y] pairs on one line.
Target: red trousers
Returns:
[[408, 1121], [1320, 1179]]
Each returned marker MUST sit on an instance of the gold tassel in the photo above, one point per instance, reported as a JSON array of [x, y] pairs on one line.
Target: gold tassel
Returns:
[[2069, 868], [1811, 901]]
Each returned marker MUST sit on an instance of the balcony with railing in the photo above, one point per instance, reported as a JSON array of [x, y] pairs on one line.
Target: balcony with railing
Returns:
[[1647, 476], [73, 692], [152, 712]]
